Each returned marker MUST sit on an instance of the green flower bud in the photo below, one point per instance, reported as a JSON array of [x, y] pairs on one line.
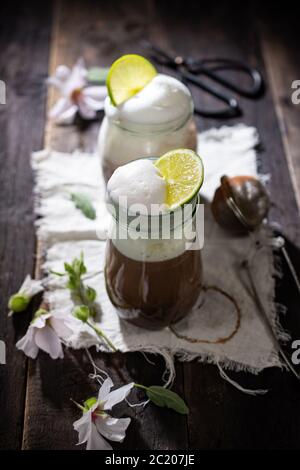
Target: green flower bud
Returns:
[[82, 313], [89, 403], [90, 294], [18, 302]]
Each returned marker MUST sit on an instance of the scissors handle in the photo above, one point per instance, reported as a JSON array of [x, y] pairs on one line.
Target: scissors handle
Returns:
[[185, 69], [232, 109], [209, 67]]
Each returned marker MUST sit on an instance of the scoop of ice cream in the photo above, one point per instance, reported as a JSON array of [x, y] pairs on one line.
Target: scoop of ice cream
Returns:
[[138, 182], [163, 100]]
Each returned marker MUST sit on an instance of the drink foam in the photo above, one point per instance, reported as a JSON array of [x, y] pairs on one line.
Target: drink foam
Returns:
[[141, 188], [165, 99], [137, 182]]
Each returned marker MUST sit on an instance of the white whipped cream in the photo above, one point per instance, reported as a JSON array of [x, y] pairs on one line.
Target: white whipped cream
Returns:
[[138, 182], [165, 99], [144, 190]]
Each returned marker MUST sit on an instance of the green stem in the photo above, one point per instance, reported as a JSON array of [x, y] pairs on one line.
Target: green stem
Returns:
[[102, 335], [77, 404], [57, 273]]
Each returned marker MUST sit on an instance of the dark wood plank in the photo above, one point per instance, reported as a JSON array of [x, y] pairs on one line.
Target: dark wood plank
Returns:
[[222, 417], [24, 38], [229, 31], [50, 413], [279, 31], [99, 32]]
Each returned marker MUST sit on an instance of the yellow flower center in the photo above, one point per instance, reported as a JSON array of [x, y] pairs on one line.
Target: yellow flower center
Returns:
[[75, 95]]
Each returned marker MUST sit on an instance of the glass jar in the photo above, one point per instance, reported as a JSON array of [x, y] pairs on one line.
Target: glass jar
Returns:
[[121, 141], [153, 273]]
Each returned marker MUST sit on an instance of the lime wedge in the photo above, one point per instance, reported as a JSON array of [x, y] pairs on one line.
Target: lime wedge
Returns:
[[127, 76], [183, 172]]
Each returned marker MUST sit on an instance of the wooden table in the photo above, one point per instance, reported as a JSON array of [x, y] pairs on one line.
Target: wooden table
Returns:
[[36, 412]]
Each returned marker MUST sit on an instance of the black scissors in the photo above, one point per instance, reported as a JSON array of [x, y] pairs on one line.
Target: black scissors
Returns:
[[189, 70]]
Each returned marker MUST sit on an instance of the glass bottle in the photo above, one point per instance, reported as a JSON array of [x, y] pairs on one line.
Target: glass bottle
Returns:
[[153, 271], [120, 142]]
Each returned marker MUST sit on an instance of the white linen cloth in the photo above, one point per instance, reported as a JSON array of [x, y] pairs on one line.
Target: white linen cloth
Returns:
[[65, 232]]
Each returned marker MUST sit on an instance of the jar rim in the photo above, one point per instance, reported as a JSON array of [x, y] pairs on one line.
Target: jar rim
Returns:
[[177, 218]]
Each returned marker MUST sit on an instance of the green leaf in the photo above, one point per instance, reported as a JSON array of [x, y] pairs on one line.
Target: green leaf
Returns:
[[81, 266], [164, 397], [68, 268], [93, 311], [84, 204], [97, 75], [90, 294], [71, 284]]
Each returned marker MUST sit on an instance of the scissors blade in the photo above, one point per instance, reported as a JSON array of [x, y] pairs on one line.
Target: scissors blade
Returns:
[[159, 54]]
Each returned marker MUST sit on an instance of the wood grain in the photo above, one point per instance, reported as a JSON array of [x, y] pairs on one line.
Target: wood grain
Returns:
[[24, 41], [281, 54], [99, 33], [220, 416]]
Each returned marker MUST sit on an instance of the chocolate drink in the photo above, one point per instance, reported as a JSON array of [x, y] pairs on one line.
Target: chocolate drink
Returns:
[[153, 294]]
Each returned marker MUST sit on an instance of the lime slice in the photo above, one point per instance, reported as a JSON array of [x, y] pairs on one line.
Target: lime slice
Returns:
[[183, 171], [127, 76]]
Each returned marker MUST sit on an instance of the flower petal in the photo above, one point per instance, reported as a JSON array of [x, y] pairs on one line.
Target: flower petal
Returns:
[[94, 96], [68, 116], [116, 396], [105, 389], [27, 343], [93, 104], [84, 427], [56, 82], [77, 78], [31, 286], [96, 441], [40, 321], [60, 327], [112, 428], [96, 92], [84, 110], [47, 340], [62, 105], [62, 72]]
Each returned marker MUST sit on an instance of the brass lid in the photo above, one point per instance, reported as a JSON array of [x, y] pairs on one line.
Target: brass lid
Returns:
[[247, 198]]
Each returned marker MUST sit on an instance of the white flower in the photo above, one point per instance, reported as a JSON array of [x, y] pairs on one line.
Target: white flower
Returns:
[[44, 333], [75, 94], [19, 301], [95, 424], [31, 286]]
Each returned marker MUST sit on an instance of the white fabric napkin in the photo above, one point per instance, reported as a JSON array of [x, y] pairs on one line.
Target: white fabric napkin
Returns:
[[65, 233]]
